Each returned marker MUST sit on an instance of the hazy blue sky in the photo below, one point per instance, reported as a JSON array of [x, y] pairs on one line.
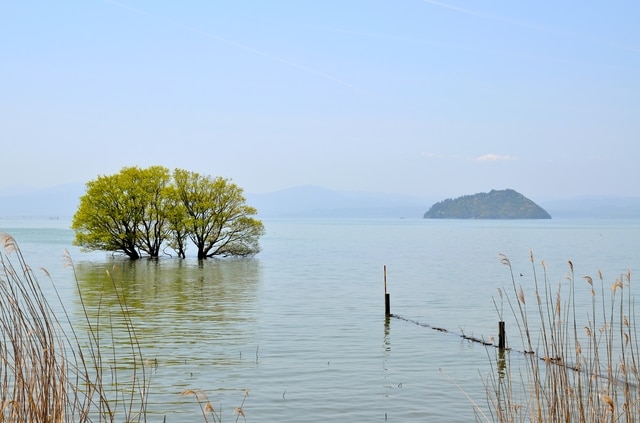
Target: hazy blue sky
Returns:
[[429, 98]]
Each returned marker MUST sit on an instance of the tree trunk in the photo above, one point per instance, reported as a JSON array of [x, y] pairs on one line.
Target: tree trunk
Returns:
[[132, 253]]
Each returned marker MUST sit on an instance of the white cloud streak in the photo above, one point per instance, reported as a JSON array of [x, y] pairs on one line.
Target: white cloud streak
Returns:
[[432, 155], [529, 25], [494, 158], [240, 46], [488, 16], [489, 157]]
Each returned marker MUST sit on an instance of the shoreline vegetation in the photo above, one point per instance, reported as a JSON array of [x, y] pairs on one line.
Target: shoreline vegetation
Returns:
[[51, 371], [572, 369], [566, 369]]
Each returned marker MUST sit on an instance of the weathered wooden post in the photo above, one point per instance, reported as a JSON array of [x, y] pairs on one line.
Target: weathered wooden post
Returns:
[[387, 300], [501, 336]]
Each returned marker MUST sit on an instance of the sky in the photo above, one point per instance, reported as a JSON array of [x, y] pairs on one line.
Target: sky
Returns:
[[419, 97]]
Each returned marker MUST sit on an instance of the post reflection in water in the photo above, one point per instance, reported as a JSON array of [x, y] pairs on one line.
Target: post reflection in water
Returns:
[[387, 351], [387, 341], [502, 364]]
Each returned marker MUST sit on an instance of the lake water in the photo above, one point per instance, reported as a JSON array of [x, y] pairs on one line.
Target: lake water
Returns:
[[302, 324]]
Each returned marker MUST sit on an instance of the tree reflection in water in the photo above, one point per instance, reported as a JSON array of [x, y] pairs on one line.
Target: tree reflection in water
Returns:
[[177, 307]]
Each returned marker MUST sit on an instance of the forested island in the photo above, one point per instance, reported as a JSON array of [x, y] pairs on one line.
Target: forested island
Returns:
[[496, 204]]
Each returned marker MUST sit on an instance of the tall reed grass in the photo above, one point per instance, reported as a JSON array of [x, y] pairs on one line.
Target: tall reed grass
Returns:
[[579, 355], [53, 371], [49, 372]]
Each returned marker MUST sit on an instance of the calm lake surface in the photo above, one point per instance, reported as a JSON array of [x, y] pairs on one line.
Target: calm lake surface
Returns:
[[302, 325]]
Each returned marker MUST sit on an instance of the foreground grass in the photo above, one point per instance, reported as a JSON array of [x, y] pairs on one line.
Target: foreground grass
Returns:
[[573, 366], [50, 372]]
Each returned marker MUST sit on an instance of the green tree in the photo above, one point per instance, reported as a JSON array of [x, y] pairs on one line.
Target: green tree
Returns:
[[140, 211], [150, 187], [124, 212], [177, 220], [218, 221]]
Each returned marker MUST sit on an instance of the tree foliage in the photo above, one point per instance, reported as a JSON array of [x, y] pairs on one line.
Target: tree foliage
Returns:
[[215, 215], [143, 211]]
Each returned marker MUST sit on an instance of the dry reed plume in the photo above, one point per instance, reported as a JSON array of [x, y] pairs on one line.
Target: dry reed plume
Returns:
[[209, 413], [576, 364]]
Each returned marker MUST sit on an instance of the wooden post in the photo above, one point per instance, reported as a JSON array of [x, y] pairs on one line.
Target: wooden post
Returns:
[[387, 300], [501, 336], [385, 278], [387, 305]]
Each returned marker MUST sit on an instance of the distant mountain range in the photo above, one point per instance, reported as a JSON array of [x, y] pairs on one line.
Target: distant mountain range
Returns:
[[594, 207], [311, 202]]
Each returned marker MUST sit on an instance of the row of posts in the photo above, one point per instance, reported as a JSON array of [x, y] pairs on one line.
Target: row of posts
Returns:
[[387, 313]]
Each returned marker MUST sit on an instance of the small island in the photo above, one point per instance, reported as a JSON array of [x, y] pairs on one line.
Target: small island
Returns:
[[496, 204]]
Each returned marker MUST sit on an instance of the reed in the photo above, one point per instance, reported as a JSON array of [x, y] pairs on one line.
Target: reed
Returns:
[[48, 371], [53, 371], [575, 363], [209, 412]]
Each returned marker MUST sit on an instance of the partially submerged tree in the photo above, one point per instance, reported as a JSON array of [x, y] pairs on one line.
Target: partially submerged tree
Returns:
[[217, 220], [111, 212], [139, 211], [176, 216], [153, 228]]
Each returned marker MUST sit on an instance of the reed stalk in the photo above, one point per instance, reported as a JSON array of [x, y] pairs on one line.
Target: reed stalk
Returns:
[[580, 364], [52, 371], [48, 371]]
